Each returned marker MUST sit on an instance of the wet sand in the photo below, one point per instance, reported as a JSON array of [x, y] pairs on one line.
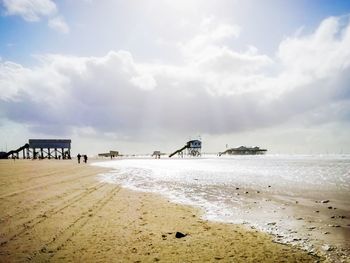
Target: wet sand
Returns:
[[308, 220], [57, 211]]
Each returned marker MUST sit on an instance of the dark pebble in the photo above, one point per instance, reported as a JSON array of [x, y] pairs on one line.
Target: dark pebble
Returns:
[[180, 235]]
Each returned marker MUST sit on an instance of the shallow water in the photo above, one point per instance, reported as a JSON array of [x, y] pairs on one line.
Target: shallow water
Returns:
[[269, 192]]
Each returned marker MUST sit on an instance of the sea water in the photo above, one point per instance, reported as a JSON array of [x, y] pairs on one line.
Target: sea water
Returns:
[[186, 179], [256, 190]]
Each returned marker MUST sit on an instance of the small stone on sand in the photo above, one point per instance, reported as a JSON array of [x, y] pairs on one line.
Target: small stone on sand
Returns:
[[180, 235]]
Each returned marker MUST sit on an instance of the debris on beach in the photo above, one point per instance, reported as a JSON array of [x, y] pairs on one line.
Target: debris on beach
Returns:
[[311, 228], [180, 235], [327, 247], [334, 225]]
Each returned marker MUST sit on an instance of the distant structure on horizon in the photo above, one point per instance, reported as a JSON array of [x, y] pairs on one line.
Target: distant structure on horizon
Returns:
[[41, 148], [243, 150], [193, 149], [156, 154], [111, 154]]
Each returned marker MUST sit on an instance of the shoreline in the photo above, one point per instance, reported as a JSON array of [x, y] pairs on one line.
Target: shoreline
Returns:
[[291, 216], [58, 211]]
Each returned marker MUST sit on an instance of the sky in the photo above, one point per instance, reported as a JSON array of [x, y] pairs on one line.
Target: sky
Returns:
[[138, 76]]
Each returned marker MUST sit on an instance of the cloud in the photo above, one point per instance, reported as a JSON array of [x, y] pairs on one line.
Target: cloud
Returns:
[[321, 54], [211, 34], [216, 90], [58, 23], [30, 10], [36, 10]]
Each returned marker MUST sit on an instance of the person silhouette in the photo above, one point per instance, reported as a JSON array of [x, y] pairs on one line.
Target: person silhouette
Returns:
[[85, 158], [78, 156]]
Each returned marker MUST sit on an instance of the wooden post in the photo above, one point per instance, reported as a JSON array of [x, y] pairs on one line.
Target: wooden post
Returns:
[[55, 153], [49, 151]]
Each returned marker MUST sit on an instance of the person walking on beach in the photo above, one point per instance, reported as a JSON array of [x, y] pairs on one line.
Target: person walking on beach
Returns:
[[85, 158], [78, 156]]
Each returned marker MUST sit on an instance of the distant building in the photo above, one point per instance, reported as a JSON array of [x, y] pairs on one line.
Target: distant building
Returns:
[[156, 154], [49, 148], [242, 150], [42, 148], [193, 149], [111, 154]]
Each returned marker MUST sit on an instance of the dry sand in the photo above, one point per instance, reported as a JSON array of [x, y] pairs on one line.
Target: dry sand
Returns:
[[57, 211]]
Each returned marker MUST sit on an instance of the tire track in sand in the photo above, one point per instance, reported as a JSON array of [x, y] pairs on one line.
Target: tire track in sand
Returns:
[[38, 177], [39, 203], [44, 185], [49, 249], [30, 224]]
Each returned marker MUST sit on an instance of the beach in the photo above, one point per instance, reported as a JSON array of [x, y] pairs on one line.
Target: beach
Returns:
[[58, 211], [302, 200]]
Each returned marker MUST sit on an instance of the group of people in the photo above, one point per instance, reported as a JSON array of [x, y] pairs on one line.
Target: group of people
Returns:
[[84, 157]]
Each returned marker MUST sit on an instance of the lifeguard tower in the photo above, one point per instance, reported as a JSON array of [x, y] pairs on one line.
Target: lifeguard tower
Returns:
[[193, 147]]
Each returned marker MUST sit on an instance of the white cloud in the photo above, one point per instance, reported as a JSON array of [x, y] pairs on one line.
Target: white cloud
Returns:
[[146, 82], [36, 10], [30, 10], [211, 34], [58, 23], [10, 79], [321, 54], [216, 90]]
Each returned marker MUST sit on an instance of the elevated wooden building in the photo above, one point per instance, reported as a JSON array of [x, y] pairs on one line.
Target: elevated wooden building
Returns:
[[111, 154], [242, 150], [50, 148], [193, 149], [42, 148]]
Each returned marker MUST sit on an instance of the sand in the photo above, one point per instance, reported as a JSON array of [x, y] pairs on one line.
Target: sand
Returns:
[[58, 211]]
